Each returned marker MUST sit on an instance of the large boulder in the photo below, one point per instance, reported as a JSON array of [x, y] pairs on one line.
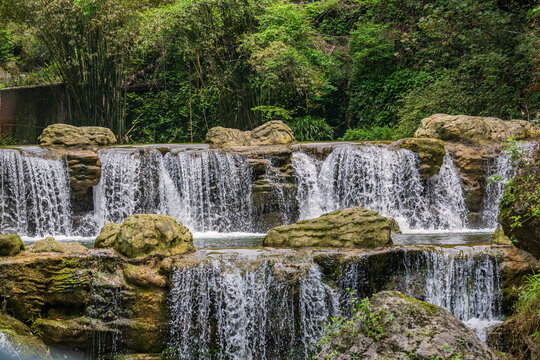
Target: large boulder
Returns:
[[18, 342], [146, 234], [430, 151], [73, 136], [475, 129], [395, 326], [50, 245], [352, 227], [271, 133], [10, 245], [520, 205]]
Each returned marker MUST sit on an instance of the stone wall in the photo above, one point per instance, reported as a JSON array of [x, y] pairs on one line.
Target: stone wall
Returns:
[[26, 111]]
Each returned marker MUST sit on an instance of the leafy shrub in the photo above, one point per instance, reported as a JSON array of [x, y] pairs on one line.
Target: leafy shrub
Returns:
[[6, 46], [373, 133], [311, 128]]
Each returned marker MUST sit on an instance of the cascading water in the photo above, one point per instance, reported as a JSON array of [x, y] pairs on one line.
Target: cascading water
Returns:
[[501, 167], [381, 179], [34, 194], [233, 310], [208, 190], [7, 348]]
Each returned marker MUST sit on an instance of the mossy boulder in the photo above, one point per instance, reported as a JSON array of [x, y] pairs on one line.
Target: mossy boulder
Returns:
[[270, 133], [49, 245], [18, 341], [352, 227], [475, 129], [73, 136], [146, 234], [10, 245], [394, 326], [430, 151]]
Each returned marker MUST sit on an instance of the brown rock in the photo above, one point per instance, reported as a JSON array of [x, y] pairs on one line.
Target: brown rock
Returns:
[[10, 245], [430, 151], [271, 133], [51, 245], [72, 136]]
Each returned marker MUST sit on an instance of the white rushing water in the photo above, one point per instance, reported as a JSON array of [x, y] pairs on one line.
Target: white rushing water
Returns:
[[387, 181], [34, 194], [237, 310], [7, 348]]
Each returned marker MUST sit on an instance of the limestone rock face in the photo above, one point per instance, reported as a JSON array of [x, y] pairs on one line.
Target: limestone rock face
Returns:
[[72, 136], [10, 245], [49, 244], [412, 329], [431, 152], [84, 169], [147, 234], [21, 342], [271, 133], [474, 129], [352, 227]]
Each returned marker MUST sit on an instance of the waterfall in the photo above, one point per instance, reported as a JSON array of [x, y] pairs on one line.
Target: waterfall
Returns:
[[7, 348], [502, 167], [208, 190], [34, 194], [233, 310], [385, 180]]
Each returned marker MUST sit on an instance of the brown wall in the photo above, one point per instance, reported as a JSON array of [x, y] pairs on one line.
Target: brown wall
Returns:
[[26, 111]]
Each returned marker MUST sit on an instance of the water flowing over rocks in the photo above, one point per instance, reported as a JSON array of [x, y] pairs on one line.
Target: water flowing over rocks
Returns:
[[147, 234], [10, 245], [17, 341], [353, 227], [270, 133], [411, 328], [430, 151], [72, 136]]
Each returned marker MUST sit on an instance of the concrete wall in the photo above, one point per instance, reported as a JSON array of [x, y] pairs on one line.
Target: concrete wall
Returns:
[[26, 111]]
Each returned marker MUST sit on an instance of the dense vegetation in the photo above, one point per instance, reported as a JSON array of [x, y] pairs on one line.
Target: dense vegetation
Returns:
[[167, 70]]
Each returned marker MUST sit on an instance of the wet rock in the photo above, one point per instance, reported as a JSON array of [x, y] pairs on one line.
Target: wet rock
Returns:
[[72, 136], [107, 236], [270, 133], [430, 151], [21, 339], [499, 238], [475, 129], [409, 329], [84, 169], [51, 245], [10, 245], [147, 234], [352, 227], [145, 276]]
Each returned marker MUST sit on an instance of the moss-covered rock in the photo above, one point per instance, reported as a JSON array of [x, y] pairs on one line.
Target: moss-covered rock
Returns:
[[147, 234], [352, 227], [430, 151], [49, 244], [107, 236], [394, 326], [10, 245], [270, 133], [72, 136], [475, 129], [17, 340]]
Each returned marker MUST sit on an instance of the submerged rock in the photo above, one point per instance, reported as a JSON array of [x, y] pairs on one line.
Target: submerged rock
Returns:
[[146, 234], [10, 245], [72, 136], [399, 327], [270, 133], [352, 227], [49, 244], [430, 151], [18, 341], [475, 129]]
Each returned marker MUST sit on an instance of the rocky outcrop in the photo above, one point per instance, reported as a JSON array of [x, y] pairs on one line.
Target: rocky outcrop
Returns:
[[520, 204], [147, 234], [51, 245], [10, 245], [79, 137], [395, 326], [271, 133], [475, 129], [430, 151], [352, 227], [18, 341]]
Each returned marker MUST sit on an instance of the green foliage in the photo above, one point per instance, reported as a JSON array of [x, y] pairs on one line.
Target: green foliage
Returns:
[[372, 133], [309, 128], [6, 46]]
